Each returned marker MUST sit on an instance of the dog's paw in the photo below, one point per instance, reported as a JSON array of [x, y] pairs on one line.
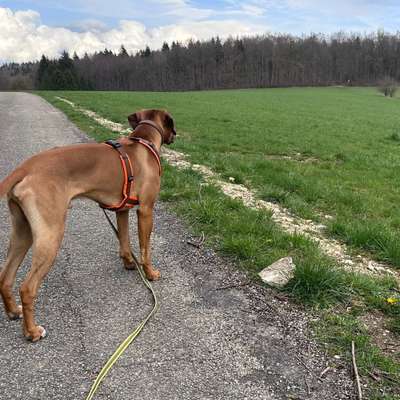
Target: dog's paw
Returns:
[[129, 262], [38, 333], [129, 265], [153, 275], [15, 315]]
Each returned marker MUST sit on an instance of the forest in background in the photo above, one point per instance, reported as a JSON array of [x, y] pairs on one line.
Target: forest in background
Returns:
[[252, 62]]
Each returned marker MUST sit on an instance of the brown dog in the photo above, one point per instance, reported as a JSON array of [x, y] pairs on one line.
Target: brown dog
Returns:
[[40, 190]]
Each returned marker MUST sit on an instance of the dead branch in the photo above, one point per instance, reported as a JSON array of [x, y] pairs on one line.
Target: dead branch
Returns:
[[198, 244], [233, 286], [355, 370], [307, 385], [324, 372]]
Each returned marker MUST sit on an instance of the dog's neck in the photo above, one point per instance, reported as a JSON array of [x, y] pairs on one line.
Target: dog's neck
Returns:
[[150, 134]]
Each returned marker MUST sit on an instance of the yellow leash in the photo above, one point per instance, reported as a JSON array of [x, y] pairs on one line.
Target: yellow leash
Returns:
[[125, 344]]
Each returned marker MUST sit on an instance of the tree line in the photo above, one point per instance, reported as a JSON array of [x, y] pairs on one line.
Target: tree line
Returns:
[[252, 62]]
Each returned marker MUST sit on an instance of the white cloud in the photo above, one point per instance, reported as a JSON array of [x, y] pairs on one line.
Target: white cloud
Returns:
[[91, 25], [24, 38]]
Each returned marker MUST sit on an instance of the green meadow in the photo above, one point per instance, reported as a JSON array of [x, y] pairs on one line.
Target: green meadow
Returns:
[[343, 145], [327, 154]]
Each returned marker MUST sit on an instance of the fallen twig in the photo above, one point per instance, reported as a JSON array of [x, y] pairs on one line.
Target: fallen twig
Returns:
[[233, 286], [200, 243], [311, 372], [324, 372], [308, 386], [281, 297], [387, 376], [304, 364], [355, 370], [374, 377]]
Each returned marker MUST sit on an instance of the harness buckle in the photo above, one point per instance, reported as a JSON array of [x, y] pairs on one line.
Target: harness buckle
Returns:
[[113, 143]]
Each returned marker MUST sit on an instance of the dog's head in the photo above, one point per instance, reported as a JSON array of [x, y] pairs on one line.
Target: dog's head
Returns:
[[162, 118]]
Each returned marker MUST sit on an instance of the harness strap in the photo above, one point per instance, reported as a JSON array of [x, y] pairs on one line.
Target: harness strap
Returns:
[[127, 200], [150, 146]]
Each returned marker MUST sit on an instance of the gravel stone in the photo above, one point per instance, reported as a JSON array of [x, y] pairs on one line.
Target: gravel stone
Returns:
[[279, 273]]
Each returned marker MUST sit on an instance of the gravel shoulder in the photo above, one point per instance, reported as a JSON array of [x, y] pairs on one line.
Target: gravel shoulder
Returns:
[[204, 343]]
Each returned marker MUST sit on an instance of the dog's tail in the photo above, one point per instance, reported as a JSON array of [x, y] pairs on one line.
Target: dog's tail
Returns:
[[11, 180]]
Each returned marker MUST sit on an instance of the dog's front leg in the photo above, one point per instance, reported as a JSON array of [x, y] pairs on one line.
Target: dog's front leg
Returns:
[[124, 240], [145, 223]]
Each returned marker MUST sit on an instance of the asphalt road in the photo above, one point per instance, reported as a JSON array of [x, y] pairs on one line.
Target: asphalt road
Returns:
[[238, 343]]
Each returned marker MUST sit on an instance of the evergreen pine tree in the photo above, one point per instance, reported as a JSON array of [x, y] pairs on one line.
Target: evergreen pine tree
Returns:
[[123, 52]]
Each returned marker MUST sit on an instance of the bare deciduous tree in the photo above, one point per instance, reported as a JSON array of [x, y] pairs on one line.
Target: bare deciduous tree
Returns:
[[260, 61]]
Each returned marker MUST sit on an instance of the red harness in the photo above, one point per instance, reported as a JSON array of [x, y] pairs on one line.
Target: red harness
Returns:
[[129, 201]]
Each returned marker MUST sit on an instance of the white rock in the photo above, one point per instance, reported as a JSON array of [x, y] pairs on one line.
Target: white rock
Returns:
[[279, 273]]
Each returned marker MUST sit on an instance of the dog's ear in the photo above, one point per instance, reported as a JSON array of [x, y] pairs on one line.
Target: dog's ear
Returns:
[[134, 119]]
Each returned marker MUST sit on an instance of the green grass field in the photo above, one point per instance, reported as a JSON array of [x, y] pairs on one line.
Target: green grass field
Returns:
[[344, 143], [344, 146]]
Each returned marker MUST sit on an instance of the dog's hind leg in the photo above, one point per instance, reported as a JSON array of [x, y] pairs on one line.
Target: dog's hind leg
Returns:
[[20, 242], [124, 240], [145, 225], [47, 230]]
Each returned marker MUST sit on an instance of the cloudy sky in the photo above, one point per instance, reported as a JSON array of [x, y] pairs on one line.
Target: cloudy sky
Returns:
[[29, 28]]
